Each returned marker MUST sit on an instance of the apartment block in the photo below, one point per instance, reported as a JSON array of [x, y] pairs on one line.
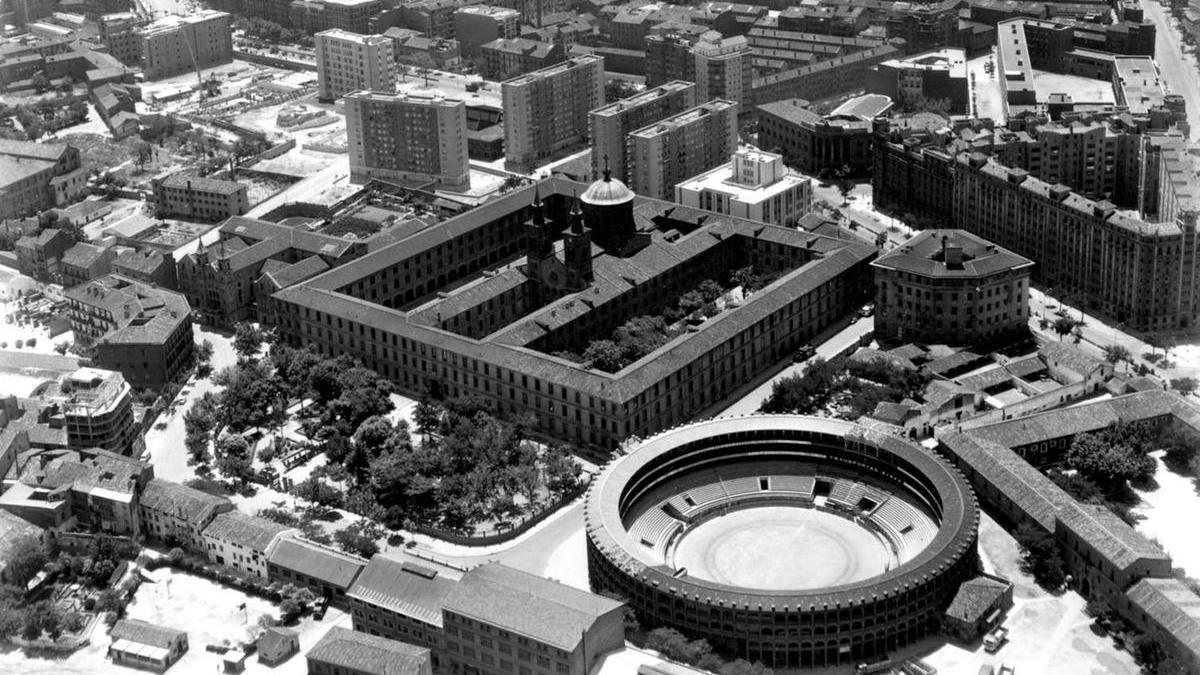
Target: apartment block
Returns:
[[434, 18], [507, 58], [610, 124], [401, 600], [476, 25], [121, 33], [949, 286], [200, 198], [140, 330], [939, 75], [347, 15], [753, 185], [668, 152], [181, 44], [95, 407], [546, 111], [418, 137], [721, 67], [349, 62], [345, 652], [36, 176]]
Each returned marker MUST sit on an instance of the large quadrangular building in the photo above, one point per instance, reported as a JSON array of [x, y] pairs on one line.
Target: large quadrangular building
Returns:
[[546, 111], [500, 332]]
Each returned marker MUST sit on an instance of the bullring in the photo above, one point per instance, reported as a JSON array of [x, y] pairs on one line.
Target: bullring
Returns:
[[919, 509]]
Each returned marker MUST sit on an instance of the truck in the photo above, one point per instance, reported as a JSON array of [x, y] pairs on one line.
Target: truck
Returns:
[[995, 639]]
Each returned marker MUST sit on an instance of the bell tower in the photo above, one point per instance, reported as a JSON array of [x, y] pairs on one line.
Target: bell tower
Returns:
[[577, 250]]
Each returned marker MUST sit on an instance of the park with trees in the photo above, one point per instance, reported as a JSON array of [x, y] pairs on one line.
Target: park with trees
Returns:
[[846, 393]]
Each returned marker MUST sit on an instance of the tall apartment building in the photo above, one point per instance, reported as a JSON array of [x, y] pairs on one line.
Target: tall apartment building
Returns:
[[476, 25], [753, 185], [546, 111], [610, 124], [349, 62], [407, 137], [668, 152], [434, 18], [121, 33], [95, 407], [180, 44], [721, 67]]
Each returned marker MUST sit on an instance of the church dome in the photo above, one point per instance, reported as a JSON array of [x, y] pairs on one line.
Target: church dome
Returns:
[[607, 191]]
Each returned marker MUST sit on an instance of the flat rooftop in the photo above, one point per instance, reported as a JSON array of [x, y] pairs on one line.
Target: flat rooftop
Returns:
[[950, 59], [641, 98], [550, 71], [1141, 88], [721, 179], [683, 118]]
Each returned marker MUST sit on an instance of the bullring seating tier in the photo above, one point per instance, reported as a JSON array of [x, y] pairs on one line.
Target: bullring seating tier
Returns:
[[904, 524]]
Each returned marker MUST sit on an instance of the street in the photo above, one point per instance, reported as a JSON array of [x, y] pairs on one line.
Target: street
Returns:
[[1177, 68]]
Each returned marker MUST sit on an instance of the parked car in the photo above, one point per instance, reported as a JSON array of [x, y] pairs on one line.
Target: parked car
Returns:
[[804, 353]]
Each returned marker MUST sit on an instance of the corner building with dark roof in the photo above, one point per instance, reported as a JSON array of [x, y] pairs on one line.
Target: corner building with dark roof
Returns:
[[498, 333]]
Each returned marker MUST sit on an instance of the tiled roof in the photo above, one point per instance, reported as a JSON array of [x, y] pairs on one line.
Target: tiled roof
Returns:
[[180, 501], [145, 633], [1172, 605], [145, 262], [12, 529], [251, 532], [298, 271], [83, 255], [1070, 357], [976, 596], [319, 562], [1023, 431], [537, 608], [1112, 537], [404, 588], [183, 179], [275, 638], [1029, 489], [44, 151], [363, 653], [144, 313], [923, 255]]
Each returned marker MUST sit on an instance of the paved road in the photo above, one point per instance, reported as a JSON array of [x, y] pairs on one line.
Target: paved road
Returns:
[[1177, 68]]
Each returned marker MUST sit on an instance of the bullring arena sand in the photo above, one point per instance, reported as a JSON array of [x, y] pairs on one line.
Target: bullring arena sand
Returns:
[[779, 548]]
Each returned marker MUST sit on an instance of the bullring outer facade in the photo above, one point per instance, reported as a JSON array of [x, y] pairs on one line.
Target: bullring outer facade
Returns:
[[920, 509]]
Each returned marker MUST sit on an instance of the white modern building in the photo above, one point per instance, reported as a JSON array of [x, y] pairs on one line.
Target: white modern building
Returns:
[[754, 185]]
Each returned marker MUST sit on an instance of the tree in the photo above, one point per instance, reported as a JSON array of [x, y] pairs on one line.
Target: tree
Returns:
[[802, 393], [427, 414], [1041, 557], [233, 458], [604, 355], [247, 340], [1063, 326], [26, 559], [744, 667], [293, 369], [40, 84], [616, 89], [143, 154], [1109, 463], [561, 469], [250, 398], [318, 492], [691, 302], [1116, 354], [675, 646], [1148, 651], [1184, 385], [353, 540], [204, 352]]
